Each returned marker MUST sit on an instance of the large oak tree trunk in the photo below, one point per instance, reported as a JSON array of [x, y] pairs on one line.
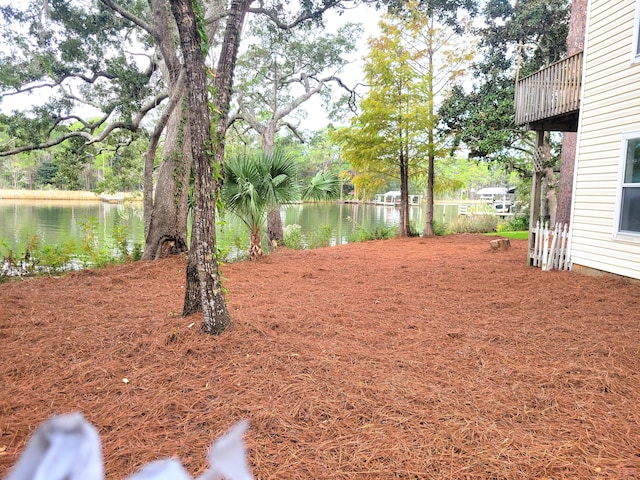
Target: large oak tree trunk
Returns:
[[214, 309], [165, 213], [192, 295], [166, 232]]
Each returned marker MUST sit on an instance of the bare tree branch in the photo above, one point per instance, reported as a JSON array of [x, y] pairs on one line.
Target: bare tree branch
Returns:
[[71, 96], [135, 123], [131, 17], [309, 92], [132, 126], [58, 82], [273, 15], [245, 114], [234, 118], [294, 129], [85, 124], [44, 146]]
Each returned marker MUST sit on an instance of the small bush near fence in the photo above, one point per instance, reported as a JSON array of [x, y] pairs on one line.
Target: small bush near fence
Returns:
[[474, 224], [439, 228], [516, 224]]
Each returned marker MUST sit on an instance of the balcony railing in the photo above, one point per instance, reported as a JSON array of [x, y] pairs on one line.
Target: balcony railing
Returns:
[[550, 98]]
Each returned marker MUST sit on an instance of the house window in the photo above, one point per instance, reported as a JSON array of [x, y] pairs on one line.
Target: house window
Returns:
[[630, 191]]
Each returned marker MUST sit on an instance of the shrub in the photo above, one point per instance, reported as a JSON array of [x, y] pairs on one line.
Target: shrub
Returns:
[[360, 234], [89, 241], [95, 254], [231, 240], [321, 237], [54, 259], [293, 236], [136, 253], [234, 249], [8, 264], [439, 228], [224, 252], [18, 265], [119, 234], [103, 257], [517, 224], [382, 232], [474, 224]]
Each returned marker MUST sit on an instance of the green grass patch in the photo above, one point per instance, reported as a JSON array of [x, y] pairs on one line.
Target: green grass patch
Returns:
[[520, 235]]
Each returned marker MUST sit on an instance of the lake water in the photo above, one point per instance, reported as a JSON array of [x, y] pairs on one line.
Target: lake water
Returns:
[[56, 222]]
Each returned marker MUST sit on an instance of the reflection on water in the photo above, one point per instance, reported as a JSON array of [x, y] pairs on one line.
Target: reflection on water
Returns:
[[57, 222]]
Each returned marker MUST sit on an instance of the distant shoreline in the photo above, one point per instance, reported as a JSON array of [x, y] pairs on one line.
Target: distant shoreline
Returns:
[[75, 195]]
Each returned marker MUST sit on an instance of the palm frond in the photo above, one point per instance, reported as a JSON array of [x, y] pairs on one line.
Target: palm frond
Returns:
[[283, 173], [323, 186], [253, 184]]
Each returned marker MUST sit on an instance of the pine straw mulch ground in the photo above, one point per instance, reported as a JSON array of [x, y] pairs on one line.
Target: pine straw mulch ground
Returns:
[[433, 359]]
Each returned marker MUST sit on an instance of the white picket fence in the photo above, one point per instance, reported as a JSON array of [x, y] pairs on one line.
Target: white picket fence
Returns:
[[550, 247]]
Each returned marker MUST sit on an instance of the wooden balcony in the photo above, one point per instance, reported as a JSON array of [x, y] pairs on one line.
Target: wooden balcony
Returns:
[[549, 99]]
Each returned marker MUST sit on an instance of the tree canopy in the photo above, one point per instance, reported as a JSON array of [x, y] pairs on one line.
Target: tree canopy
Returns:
[[409, 68], [515, 40], [79, 60], [281, 70]]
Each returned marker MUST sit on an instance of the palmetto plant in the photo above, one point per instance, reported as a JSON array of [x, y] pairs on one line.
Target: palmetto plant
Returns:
[[323, 186], [255, 183]]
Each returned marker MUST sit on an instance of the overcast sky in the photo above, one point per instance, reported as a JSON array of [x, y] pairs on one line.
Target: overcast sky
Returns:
[[353, 74]]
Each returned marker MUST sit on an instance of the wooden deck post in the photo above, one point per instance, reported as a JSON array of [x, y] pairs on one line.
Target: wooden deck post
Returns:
[[536, 185]]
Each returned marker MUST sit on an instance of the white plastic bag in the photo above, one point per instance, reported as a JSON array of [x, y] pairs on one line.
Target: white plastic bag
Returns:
[[67, 447], [227, 457], [162, 470]]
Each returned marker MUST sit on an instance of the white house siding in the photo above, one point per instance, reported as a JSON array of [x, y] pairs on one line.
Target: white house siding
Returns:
[[610, 107]]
